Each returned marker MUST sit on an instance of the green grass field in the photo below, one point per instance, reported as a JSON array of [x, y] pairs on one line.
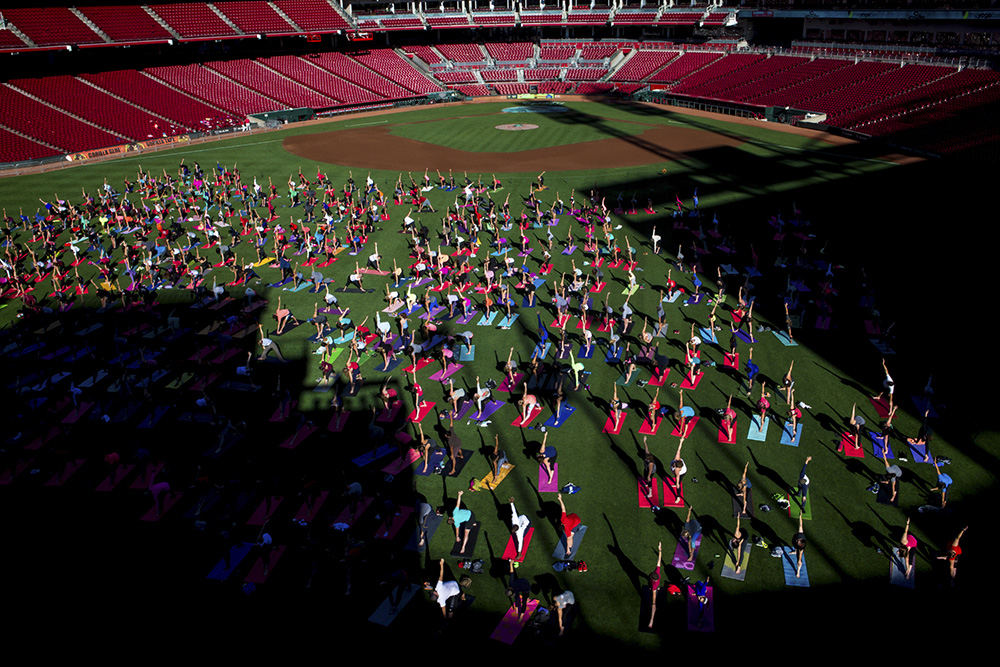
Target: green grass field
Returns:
[[834, 369]]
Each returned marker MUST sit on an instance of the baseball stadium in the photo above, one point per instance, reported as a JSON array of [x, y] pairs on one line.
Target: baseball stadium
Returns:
[[308, 330]]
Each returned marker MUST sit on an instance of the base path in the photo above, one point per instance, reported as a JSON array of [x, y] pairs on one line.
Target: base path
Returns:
[[377, 148]]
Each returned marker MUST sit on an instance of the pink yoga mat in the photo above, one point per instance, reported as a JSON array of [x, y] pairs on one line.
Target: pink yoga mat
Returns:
[[511, 550], [512, 624], [544, 485]]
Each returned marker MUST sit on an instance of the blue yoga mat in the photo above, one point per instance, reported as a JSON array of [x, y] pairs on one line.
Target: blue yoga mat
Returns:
[[565, 411], [757, 433], [788, 561], [786, 438]]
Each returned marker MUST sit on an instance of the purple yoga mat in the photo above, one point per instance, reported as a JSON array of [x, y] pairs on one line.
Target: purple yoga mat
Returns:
[[468, 318], [452, 369], [488, 409], [698, 621], [544, 486], [744, 336], [680, 559], [511, 625]]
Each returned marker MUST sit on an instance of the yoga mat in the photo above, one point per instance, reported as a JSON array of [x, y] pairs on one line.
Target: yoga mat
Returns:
[[919, 452], [444, 375], [299, 437], [645, 503], [687, 384], [701, 620], [537, 410], [788, 561], [170, 499], [489, 482], [738, 504], [236, 555], [745, 337], [659, 377], [485, 321], [542, 351], [786, 438], [393, 363], [722, 434], [584, 354], [426, 410], [794, 509], [389, 529], [401, 463], [512, 623], [613, 356], [337, 422], [488, 409], [756, 432], [689, 427], [731, 360], [467, 353], [897, 572], [257, 573], [510, 551], [307, 512], [565, 412], [879, 445], [782, 337], [507, 322], [545, 486], [647, 429], [470, 546], [560, 550], [462, 411], [346, 519], [729, 565], [609, 425], [68, 470], [431, 522], [459, 464], [373, 455], [673, 496], [115, 478], [504, 386], [849, 444], [261, 515], [681, 560], [881, 406], [386, 612], [390, 414], [435, 458], [420, 364], [621, 381]]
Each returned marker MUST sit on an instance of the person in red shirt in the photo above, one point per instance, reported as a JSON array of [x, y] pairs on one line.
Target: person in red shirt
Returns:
[[569, 523], [954, 551]]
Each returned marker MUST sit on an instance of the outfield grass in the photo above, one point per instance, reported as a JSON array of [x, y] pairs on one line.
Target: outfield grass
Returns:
[[619, 547]]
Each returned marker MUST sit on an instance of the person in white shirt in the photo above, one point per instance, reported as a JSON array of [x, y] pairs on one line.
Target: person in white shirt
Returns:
[[443, 591], [519, 524]]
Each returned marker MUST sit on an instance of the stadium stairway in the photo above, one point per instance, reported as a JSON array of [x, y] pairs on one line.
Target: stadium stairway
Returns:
[[123, 138], [90, 24], [285, 16], [226, 19]]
